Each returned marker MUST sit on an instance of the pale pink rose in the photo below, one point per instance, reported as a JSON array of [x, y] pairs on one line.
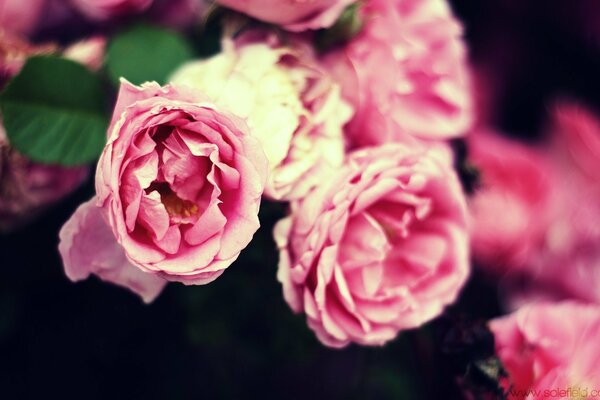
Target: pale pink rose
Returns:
[[293, 15], [511, 209], [89, 52], [405, 73], [20, 16], [550, 346], [106, 9], [379, 247], [28, 188], [290, 104], [178, 190]]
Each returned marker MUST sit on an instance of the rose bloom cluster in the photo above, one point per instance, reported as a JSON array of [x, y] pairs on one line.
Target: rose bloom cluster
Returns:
[[534, 222], [354, 138], [376, 238]]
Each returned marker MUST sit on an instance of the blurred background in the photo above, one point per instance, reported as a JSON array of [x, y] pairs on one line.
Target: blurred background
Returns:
[[236, 338]]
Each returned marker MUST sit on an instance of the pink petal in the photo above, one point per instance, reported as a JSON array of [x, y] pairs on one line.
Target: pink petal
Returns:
[[87, 246], [153, 216], [210, 223]]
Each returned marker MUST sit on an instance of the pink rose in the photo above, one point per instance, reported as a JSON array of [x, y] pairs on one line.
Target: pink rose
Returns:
[[27, 188], [550, 346], [405, 73], [293, 15], [290, 104], [178, 190], [19, 16], [106, 9], [510, 211], [379, 247]]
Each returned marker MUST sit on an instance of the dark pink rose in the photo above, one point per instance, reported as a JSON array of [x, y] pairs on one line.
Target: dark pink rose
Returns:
[[20, 16], [379, 247], [511, 209], [294, 15], [550, 346], [405, 73], [178, 190], [106, 9]]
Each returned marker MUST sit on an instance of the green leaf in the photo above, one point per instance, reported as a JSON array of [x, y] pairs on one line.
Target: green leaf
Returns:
[[53, 112], [146, 53]]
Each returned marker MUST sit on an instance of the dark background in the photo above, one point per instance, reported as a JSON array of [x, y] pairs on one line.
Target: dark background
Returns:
[[236, 338]]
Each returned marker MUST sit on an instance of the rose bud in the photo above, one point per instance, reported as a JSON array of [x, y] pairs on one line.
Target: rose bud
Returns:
[[178, 187], [106, 9], [290, 104], [550, 347], [405, 73], [293, 15], [380, 247]]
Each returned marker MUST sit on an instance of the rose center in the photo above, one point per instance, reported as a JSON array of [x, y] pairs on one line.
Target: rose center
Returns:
[[175, 206]]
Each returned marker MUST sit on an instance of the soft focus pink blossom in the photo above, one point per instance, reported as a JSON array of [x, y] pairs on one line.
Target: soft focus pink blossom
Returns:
[[379, 247], [290, 104], [405, 73], [293, 15], [570, 258], [179, 185], [106, 9], [89, 52], [550, 346], [20, 16], [535, 219], [511, 209]]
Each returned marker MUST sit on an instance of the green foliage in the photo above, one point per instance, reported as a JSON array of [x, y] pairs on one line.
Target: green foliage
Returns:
[[146, 53], [53, 112]]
